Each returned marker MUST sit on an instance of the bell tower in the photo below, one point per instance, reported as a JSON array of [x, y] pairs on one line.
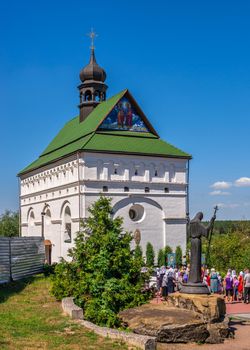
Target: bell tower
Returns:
[[92, 89]]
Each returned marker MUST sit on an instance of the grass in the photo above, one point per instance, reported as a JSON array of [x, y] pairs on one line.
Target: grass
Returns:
[[30, 318]]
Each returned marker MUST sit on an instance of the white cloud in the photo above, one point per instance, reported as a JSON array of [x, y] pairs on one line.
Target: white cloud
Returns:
[[228, 205], [242, 182], [221, 185], [219, 193]]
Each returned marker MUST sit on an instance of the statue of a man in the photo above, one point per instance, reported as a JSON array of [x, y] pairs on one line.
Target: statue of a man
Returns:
[[196, 230]]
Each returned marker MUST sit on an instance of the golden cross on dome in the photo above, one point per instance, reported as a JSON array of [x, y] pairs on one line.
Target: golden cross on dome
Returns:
[[92, 36]]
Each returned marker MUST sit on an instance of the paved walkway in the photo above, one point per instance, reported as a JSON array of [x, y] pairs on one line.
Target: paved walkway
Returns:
[[238, 310]]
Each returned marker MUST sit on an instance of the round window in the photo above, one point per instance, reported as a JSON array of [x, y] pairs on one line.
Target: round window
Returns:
[[136, 212]]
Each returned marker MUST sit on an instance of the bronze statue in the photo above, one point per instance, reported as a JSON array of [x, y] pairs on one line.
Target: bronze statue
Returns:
[[196, 230]]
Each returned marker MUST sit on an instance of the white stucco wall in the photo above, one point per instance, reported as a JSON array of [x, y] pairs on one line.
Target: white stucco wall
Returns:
[[77, 181]]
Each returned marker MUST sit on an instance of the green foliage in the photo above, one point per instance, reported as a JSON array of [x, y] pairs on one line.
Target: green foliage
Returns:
[[49, 269], [104, 276], [230, 245], [138, 252], [230, 250], [150, 255], [167, 250], [178, 256], [9, 224], [161, 258], [163, 255]]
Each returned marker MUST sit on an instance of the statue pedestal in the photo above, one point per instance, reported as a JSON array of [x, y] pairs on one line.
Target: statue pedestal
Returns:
[[194, 288]]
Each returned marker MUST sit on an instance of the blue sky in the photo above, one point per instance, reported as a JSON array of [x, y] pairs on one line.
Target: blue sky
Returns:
[[187, 63]]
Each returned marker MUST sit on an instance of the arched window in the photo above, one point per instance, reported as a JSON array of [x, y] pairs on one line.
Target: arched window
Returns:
[[88, 95], [31, 218], [67, 225], [47, 217], [97, 96]]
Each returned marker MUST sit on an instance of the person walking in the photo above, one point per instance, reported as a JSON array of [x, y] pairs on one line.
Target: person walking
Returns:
[[247, 287], [165, 286], [241, 285], [235, 288], [229, 287], [171, 281], [214, 281]]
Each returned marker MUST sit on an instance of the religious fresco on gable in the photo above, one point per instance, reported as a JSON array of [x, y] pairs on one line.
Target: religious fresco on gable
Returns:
[[124, 117]]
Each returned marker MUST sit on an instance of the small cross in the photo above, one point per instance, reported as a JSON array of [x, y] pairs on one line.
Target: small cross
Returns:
[[92, 36]]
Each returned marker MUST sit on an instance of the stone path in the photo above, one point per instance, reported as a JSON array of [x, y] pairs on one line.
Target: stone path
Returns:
[[238, 310]]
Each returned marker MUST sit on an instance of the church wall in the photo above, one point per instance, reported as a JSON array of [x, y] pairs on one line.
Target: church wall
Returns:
[[60, 183], [117, 172], [53, 187], [174, 234]]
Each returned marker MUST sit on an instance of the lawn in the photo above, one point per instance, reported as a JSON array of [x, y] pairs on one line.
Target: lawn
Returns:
[[30, 318]]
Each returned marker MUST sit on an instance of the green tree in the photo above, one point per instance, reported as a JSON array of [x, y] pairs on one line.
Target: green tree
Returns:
[[9, 224], [167, 250], [150, 255], [163, 255], [178, 256], [138, 254], [104, 276], [161, 258]]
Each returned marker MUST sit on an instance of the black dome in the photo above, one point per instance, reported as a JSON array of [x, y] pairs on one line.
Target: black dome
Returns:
[[92, 71]]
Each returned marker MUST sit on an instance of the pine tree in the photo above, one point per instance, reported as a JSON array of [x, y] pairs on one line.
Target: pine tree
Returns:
[[138, 252], [161, 258], [104, 276], [150, 255], [167, 250], [178, 256]]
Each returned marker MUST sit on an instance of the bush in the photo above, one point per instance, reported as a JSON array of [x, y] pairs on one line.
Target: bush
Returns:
[[167, 250], [150, 255], [178, 256], [104, 276], [138, 252], [161, 258], [49, 269]]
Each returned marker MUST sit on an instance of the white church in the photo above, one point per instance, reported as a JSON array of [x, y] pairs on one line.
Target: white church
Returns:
[[110, 149]]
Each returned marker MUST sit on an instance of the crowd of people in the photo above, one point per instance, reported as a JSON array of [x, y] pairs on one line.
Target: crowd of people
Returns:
[[234, 287]]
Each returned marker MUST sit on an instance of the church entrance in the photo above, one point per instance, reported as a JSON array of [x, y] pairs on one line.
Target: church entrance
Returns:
[[48, 250]]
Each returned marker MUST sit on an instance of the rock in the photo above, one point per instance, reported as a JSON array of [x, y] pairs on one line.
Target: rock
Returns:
[[218, 332], [211, 307], [71, 309], [167, 324], [186, 333], [139, 341]]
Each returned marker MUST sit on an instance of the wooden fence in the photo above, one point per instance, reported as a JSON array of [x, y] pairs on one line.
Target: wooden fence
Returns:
[[20, 257]]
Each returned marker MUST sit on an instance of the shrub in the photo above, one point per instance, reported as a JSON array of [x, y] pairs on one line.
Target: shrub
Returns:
[[167, 250], [150, 255], [49, 269], [104, 276], [178, 256], [161, 258], [138, 252]]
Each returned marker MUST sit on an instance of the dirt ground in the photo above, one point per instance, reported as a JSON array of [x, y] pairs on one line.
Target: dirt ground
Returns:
[[241, 341]]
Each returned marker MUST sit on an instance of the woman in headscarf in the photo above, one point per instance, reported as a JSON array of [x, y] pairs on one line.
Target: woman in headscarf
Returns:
[[241, 285], [229, 287], [214, 281]]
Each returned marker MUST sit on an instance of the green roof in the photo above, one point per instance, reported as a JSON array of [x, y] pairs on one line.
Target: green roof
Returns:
[[85, 136]]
